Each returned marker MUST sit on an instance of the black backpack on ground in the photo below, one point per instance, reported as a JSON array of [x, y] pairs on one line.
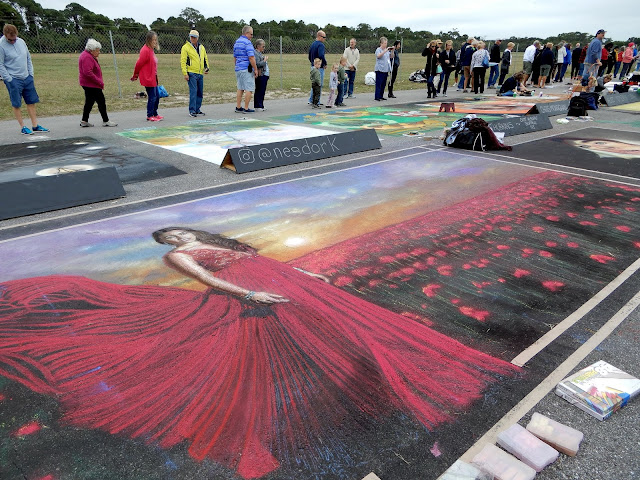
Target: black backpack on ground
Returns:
[[621, 88], [577, 107]]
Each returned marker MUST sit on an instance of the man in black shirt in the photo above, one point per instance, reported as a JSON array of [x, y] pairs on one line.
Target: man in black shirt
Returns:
[[494, 58]]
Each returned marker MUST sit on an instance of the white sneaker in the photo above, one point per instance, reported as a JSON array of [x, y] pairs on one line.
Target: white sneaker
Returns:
[[109, 124], [86, 124]]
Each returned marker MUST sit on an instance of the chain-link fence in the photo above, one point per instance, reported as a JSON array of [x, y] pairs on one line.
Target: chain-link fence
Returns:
[[171, 40]]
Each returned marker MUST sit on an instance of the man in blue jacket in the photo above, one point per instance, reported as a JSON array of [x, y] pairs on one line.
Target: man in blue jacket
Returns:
[[16, 71], [317, 50], [593, 59]]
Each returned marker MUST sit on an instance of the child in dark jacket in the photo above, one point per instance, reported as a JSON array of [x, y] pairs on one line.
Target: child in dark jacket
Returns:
[[342, 77], [316, 86]]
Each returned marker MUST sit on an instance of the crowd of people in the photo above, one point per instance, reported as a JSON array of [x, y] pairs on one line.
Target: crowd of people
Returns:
[[542, 64]]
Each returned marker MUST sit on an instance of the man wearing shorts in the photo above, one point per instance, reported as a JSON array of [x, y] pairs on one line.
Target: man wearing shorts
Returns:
[[16, 71], [246, 69], [527, 60]]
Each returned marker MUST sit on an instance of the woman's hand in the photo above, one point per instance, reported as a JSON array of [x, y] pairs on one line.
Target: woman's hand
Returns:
[[268, 298]]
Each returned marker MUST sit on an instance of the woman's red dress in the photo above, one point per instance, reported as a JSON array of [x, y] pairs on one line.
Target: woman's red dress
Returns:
[[238, 381]]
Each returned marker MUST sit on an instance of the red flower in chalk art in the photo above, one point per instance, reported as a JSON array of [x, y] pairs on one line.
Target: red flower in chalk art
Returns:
[[361, 272], [28, 429], [587, 223], [480, 315], [519, 273], [342, 281], [446, 270], [623, 228], [553, 286], [418, 318], [431, 289], [544, 253], [572, 245], [601, 258], [553, 218]]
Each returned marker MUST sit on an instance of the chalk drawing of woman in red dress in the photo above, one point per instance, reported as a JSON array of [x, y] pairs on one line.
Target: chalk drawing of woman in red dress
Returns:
[[248, 369]]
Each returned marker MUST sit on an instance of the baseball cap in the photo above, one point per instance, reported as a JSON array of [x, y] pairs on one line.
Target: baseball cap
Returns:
[[194, 33], [600, 31], [631, 44]]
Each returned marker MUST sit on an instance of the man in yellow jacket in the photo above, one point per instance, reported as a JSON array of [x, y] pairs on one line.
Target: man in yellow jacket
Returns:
[[194, 63]]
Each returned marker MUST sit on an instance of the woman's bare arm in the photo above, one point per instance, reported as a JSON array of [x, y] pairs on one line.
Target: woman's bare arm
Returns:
[[186, 265]]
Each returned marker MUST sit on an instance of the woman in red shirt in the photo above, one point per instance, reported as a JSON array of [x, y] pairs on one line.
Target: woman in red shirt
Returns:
[[90, 78], [147, 70]]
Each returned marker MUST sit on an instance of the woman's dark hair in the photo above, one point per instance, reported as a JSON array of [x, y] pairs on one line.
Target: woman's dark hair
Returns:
[[206, 237], [396, 43]]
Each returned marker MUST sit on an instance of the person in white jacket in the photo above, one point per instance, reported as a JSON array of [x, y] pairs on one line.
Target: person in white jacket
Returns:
[[352, 54]]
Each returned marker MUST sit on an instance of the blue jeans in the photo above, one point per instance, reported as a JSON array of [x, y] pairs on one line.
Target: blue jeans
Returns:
[[381, 83], [616, 68], [321, 82], [351, 75], [493, 75], [562, 72], [340, 93], [196, 85], [153, 100], [441, 75], [461, 82], [444, 80]]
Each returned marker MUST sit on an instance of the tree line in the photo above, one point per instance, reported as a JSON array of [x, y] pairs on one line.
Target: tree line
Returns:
[[48, 30]]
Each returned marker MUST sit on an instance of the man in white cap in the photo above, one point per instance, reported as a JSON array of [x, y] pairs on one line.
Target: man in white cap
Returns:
[[195, 64]]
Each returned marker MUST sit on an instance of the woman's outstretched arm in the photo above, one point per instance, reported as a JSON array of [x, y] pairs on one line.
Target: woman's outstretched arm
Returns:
[[186, 265]]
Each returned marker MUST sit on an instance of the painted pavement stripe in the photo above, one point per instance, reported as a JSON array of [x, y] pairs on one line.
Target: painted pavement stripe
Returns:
[[559, 329]]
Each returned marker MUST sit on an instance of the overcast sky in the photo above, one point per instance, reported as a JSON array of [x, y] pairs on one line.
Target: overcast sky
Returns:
[[492, 19]]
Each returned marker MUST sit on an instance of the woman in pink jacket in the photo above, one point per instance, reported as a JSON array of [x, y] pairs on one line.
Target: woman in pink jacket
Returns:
[[627, 60], [147, 70], [90, 78]]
